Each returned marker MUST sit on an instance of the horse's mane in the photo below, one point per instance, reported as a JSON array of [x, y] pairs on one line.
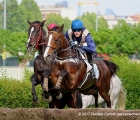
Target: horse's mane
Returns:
[[112, 67], [54, 28], [36, 22]]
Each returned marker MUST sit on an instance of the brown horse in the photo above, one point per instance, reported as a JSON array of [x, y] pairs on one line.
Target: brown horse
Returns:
[[37, 39], [69, 71]]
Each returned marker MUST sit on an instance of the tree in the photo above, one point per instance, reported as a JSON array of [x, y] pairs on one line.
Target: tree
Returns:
[[89, 20], [31, 10], [16, 45], [54, 18]]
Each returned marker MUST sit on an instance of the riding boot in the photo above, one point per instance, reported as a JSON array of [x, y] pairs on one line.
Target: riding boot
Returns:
[[91, 62], [92, 72]]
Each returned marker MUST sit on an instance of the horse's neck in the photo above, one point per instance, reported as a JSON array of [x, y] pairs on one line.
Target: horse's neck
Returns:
[[41, 44], [66, 51], [40, 50]]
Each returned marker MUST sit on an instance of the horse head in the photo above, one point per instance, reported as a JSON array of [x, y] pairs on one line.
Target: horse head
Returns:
[[56, 42], [36, 34]]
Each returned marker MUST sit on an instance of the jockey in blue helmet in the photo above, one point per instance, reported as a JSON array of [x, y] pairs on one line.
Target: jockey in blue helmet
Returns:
[[79, 35]]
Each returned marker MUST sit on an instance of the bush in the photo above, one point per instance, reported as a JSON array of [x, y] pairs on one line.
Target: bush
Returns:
[[129, 73], [17, 94]]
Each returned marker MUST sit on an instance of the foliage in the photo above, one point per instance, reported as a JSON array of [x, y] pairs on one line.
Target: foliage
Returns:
[[89, 20], [129, 72], [17, 94], [31, 11], [53, 18], [27, 75], [15, 44], [17, 15], [123, 38], [14, 94]]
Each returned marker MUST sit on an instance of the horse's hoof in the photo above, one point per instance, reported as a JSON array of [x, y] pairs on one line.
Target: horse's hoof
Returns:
[[35, 102], [49, 99], [53, 90], [59, 96]]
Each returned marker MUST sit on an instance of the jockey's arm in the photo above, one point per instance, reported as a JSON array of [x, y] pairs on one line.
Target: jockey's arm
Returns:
[[89, 44]]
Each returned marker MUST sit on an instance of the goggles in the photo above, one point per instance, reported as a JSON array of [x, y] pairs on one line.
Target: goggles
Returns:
[[76, 30]]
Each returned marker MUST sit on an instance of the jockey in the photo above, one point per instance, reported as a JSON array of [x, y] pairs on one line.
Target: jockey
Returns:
[[80, 36], [51, 26]]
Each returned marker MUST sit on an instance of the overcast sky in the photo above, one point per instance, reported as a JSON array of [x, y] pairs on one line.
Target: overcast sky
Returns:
[[120, 7]]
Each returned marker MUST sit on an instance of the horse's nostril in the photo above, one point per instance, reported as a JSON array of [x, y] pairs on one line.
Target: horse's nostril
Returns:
[[48, 57]]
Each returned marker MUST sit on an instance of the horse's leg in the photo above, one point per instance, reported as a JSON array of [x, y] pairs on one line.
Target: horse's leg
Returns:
[[96, 100], [48, 97], [95, 94], [75, 100], [106, 97], [56, 89], [33, 80], [55, 103]]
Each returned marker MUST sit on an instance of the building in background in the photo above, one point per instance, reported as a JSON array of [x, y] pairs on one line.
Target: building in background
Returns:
[[112, 18], [60, 8]]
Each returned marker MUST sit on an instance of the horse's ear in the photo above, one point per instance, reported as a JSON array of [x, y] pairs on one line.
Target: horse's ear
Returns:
[[42, 23], [29, 22], [48, 28], [61, 28]]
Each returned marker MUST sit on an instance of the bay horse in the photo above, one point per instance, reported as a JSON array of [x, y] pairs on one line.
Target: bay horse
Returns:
[[37, 39], [70, 72], [117, 95]]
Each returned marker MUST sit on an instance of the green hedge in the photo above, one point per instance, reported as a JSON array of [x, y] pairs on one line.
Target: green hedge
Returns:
[[129, 73], [16, 94]]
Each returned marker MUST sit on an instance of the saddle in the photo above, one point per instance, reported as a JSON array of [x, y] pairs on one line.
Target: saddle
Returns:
[[82, 55]]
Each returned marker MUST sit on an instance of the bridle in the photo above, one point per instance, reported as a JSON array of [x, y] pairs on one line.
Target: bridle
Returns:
[[39, 37], [59, 45]]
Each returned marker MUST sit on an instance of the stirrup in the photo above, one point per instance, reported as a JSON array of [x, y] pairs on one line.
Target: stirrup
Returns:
[[92, 74]]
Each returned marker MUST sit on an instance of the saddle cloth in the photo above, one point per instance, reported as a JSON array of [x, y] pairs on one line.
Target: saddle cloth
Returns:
[[89, 67]]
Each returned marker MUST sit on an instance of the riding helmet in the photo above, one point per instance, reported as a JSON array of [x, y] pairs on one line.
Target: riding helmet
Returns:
[[50, 26], [77, 24]]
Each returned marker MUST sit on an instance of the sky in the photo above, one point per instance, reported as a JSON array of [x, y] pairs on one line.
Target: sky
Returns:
[[119, 7]]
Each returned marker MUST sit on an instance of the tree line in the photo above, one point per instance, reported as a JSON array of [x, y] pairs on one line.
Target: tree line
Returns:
[[122, 39]]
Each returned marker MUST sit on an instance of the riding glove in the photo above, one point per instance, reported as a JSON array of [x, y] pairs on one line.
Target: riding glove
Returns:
[[73, 43]]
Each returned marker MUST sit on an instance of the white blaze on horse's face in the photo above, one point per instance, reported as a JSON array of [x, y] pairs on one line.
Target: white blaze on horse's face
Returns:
[[47, 49], [32, 29]]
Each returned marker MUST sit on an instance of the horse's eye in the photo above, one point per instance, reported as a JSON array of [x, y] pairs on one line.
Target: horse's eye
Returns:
[[56, 40]]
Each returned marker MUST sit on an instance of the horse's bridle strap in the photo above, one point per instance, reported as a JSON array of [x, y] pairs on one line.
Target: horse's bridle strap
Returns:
[[54, 32]]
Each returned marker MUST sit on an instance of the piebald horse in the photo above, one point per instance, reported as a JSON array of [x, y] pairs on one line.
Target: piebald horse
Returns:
[[117, 95]]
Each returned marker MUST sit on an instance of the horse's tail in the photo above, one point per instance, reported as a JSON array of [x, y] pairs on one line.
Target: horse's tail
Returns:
[[112, 67], [121, 99]]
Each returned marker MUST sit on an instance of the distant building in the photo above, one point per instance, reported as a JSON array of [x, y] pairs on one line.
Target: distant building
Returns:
[[113, 20], [61, 4], [108, 11], [64, 12], [110, 16]]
